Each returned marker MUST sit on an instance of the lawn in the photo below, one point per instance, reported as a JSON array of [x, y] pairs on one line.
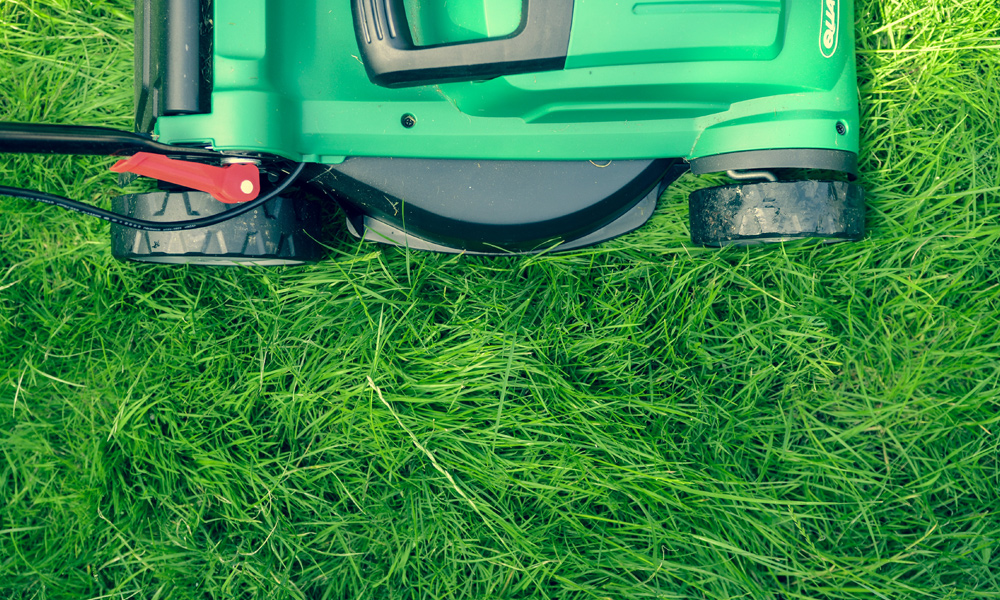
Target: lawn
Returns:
[[643, 419]]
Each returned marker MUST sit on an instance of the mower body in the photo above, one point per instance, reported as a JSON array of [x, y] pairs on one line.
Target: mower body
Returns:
[[641, 80], [502, 125]]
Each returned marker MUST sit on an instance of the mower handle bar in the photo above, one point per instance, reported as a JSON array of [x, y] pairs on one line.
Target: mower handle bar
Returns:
[[36, 138]]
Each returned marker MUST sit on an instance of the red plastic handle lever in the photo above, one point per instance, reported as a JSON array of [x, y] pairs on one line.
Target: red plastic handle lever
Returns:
[[232, 184]]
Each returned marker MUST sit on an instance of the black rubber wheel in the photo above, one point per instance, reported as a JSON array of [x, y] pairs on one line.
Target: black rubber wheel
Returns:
[[756, 213], [282, 232]]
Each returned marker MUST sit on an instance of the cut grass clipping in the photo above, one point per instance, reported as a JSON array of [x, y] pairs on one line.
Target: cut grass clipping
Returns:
[[644, 419]]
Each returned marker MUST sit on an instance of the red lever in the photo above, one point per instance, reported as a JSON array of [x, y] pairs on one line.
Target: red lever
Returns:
[[231, 184]]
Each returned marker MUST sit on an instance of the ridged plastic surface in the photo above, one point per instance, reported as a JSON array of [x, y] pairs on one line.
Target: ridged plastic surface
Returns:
[[280, 232], [777, 211]]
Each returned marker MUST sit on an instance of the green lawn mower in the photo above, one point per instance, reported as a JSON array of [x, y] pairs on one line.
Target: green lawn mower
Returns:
[[474, 126]]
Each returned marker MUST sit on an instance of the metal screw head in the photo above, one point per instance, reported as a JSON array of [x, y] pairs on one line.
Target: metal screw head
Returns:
[[841, 128], [408, 120]]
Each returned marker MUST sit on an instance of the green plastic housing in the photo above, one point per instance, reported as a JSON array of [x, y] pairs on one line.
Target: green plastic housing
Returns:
[[643, 79]]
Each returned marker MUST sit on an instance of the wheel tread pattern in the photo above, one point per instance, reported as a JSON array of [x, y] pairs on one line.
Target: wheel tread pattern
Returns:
[[777, 211], [283, 229]]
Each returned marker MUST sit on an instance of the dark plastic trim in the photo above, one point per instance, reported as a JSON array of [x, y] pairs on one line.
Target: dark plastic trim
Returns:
[[373, 230], [494, 207], [392, 59], [794, 158]]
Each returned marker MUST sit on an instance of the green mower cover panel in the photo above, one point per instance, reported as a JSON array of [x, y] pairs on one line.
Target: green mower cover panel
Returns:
[[684, 78], [495, 126]]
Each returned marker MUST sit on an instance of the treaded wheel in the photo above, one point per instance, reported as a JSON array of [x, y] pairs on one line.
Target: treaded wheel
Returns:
[[282, 232], [756, 213]]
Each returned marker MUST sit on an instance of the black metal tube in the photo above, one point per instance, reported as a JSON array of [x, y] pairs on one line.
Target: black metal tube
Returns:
[[183, 57], [31, 138]]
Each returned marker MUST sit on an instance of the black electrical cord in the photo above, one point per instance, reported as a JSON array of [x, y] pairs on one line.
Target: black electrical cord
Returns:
[[143, 224]]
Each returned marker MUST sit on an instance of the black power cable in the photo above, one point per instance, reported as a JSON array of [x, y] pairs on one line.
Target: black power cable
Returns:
[[143, 224]]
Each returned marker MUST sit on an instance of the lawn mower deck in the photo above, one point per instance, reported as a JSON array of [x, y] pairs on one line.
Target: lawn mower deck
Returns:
[[491, 126]]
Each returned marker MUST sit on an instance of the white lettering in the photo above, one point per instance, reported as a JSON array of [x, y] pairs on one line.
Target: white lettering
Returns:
[[829, 23]]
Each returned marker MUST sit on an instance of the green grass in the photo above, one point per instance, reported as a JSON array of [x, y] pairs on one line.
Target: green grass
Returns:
[[645, 419]]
